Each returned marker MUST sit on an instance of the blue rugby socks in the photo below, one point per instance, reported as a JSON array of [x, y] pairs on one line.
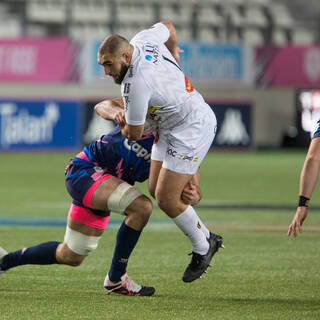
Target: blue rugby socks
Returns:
[[127, 239], [44, 253]]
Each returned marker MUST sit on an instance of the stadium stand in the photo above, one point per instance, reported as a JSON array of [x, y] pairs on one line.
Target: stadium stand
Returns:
[[252, 21]]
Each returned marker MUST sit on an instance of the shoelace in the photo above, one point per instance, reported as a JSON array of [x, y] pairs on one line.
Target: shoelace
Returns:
[[130, 284]]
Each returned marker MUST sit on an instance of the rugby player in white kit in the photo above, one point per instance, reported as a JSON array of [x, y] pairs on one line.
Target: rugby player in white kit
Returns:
[[153, 84]]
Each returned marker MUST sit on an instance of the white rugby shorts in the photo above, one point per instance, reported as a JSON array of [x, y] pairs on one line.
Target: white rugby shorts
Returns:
[[183, 148]]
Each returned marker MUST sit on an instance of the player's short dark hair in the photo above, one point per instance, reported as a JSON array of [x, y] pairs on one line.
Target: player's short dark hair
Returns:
[[112, 44]]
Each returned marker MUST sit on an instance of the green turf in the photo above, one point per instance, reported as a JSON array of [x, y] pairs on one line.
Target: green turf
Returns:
[[262, 274]]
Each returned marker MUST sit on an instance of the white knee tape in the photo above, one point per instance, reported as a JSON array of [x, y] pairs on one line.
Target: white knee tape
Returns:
[[122, 196], [79, 242]]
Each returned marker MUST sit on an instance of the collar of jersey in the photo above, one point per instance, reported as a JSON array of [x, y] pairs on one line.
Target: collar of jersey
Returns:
[[135, 55]]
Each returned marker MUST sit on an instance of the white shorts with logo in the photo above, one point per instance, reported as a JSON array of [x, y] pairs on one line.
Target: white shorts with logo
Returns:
[[184, 147]]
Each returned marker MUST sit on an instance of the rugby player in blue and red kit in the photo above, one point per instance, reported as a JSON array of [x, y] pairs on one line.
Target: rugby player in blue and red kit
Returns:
[[100, 179]]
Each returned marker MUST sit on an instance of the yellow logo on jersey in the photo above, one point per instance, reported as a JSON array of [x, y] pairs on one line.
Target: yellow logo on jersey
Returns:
[[199, 225], [151, 110]]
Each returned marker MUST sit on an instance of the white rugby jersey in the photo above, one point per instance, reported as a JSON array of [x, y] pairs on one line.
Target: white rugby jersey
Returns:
[[155, 84]]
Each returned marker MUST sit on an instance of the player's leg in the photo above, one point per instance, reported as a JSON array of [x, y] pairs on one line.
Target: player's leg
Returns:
[[79, 240], [168, 196], [42, 254], [155, 167], [185, 149], [118, 196], [166, 186]]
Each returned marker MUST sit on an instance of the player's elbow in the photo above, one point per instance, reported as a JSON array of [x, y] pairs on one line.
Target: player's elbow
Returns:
[[171, 28], [97, 108], [168, 24], [313, 160]]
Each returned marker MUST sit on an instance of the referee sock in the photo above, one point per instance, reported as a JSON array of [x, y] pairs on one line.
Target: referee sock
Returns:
[[44, 253], [189, 222], [127, 239]]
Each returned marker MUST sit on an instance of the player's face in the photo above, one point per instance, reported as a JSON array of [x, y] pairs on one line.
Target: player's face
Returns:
[[114, 67]]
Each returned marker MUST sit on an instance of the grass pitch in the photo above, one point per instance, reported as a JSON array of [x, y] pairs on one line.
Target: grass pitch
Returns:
[[262, 274]]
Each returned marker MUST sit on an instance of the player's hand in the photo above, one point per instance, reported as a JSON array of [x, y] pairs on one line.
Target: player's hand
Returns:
[[191, 194], [176, 53], [297, 221], [119, 118]]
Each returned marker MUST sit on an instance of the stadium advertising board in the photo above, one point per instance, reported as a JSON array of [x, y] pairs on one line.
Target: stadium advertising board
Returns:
[[37, 60], [307, 116], [40, 124], [90, 70], [200, 62], [309, 109], [234, 124], [297, 66], [225, 63]]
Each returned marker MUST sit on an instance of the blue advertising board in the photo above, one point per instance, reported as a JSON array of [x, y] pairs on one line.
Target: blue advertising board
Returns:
[[217, 62], [40, 124]]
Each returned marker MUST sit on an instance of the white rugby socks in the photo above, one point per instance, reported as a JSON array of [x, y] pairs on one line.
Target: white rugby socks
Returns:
[[189, 222]]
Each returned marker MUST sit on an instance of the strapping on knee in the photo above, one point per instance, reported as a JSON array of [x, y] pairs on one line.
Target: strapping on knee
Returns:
[[122, 197], [80, 243]]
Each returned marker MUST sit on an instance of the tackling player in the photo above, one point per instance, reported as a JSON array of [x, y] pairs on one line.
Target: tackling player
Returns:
[[100, 179], [153, 84]]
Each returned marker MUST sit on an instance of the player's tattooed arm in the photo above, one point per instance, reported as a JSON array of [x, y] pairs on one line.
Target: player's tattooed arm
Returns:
[[111, 109]]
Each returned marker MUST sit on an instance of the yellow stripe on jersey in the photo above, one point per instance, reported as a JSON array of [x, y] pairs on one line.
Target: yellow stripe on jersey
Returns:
[[151, 110]]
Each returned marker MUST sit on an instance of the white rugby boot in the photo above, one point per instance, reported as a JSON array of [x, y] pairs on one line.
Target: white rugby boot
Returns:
[[127, 287]]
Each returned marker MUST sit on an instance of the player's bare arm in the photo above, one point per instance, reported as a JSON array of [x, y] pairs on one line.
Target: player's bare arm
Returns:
[[111, 109], [172, 42], [310, 171], [308, 179]]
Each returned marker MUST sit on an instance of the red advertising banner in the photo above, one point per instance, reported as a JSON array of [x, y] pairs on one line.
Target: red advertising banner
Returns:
[[296, 66], [37, 60]]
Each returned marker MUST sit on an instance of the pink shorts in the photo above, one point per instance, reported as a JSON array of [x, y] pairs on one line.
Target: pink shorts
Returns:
[[87, 217]]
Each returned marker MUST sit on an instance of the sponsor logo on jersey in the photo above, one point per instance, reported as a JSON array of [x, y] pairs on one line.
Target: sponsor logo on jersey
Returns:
[[98, 169], [140, 151], [189, 86], [185, 158], [126, 102], [130, 71], [126, 88], [173, 153], [151, 110], [152, 53]]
